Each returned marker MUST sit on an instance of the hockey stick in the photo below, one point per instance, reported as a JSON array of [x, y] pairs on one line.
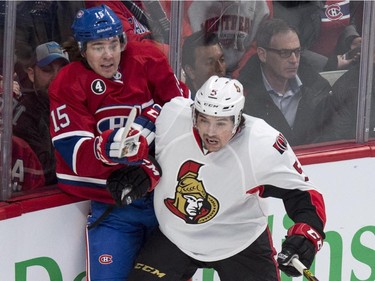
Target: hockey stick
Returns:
[[303, 270], [139, 14], [156, 16], [125, 146]]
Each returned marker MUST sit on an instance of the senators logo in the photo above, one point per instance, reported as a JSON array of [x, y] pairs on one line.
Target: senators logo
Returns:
[[191, 202], [281, 144]]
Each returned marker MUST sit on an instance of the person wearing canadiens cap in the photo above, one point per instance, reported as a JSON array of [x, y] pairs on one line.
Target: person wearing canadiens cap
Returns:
[[49, 52], [31, 114], [47, 61]]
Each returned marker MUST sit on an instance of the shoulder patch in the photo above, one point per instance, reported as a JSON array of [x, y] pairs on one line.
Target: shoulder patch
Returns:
[[281, 144], [98, 87]]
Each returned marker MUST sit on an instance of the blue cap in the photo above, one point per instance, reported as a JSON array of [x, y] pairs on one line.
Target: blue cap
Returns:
[[48, 52]]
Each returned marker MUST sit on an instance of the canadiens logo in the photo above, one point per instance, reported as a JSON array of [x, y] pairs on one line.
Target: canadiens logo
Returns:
[[98, 87], [191, 202], [117, 77], [112, 117], [79, 14], [105, 259], [333, 12], [280, 144]]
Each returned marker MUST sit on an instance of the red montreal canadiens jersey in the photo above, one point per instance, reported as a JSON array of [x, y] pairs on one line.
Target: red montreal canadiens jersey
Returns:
[[212, 205], [27, 172], [134, 30], [84, 104], [335, 16]]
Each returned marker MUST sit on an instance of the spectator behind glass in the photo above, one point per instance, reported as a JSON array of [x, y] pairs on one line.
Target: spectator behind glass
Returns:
[[38, 22], [26, 170], [202, 57], [218, 164], [235, 23], [91, 102], [345, 98], [31, 114], [327, 30], [287, 94]]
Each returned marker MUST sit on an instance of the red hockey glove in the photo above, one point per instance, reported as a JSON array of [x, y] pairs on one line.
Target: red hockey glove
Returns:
[[302, 242], [112, 147], [145, 123], [133, 182]]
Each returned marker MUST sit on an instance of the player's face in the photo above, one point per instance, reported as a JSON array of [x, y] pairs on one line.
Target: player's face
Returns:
[[104, 55], [275, 66], [209, 60], [215, 132], [42, 76]]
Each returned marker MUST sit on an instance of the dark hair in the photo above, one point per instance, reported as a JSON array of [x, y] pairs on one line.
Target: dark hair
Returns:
[[200, 38], [71, 47], [269, 28]]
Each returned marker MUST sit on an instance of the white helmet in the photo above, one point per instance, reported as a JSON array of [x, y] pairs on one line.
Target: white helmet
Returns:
[[221, 97]]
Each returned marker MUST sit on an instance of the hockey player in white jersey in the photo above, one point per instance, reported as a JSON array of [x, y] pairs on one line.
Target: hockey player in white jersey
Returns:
[[218, 166]]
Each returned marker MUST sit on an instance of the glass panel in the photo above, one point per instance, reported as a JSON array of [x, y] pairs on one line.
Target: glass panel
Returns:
[[222, 41], [289, 89], [38, 24], [3, 188], [8, 22]]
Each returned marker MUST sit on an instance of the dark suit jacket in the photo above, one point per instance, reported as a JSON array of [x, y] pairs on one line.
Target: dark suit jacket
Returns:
[[313, 122]]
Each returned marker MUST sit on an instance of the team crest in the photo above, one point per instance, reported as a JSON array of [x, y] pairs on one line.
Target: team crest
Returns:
[[281, 144], [191, 202], [105, 259], [117, 76], [98, 87], [80, 14], [333, 12]]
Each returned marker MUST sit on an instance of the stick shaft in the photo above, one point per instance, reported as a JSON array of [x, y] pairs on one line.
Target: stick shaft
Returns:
[[303, 270], [129, 122]]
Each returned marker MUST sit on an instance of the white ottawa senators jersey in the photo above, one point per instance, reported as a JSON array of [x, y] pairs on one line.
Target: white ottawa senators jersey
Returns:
[[211, 205]]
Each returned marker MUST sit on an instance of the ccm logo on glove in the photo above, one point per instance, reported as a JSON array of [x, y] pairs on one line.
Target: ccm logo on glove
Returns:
[[309, 232]]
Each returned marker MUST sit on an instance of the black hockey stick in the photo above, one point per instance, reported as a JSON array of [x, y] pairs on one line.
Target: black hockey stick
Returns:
[[139, 14], [303, 270], [155, 20]]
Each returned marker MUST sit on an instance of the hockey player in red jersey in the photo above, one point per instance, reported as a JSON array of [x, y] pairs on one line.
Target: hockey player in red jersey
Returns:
[[90, 102], [218, 166]]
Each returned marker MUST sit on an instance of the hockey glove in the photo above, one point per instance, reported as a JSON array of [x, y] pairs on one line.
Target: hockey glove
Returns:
[[133, 182], [108, 147], [145, 123], [302, 242]]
